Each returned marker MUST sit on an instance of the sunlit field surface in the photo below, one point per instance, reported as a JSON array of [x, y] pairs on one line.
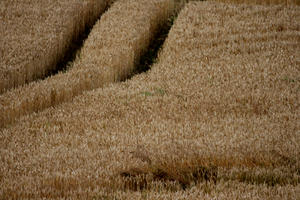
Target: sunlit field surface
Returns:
[[216, 117]]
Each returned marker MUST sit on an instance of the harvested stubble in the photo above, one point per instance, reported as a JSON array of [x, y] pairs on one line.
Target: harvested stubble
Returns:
[[36, 34], [109, 54], [224, 95]]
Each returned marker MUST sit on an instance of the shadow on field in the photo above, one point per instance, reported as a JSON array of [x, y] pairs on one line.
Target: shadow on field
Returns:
[[146, 60], [151, 54], [74, 50], [188, 169], [172, 174]]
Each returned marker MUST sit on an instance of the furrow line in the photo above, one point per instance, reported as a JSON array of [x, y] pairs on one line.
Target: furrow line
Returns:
[[111, 53]]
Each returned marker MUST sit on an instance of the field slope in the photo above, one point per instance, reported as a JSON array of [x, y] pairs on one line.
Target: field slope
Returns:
[[217, 117]]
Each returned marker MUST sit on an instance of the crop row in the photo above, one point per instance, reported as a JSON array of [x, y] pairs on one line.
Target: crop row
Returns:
[[35, 35], [110, 53]]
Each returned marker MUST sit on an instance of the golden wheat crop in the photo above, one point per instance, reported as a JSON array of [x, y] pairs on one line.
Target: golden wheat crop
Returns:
[[110, 53], [262, 2], [36, 34], [255, 2], [217, 117]]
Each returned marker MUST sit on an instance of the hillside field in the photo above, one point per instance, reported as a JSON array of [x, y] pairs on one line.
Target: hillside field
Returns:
[[217, 115]]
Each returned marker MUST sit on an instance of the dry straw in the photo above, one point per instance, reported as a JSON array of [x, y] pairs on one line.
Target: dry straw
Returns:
[[36, 35], [110, 53], [221, 103], [255, 2], [262, 2]]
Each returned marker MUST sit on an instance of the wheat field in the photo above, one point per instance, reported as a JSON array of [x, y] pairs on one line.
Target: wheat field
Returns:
[[262, 2], [216, 117], [36, 34], [181, 3], [109, 54]]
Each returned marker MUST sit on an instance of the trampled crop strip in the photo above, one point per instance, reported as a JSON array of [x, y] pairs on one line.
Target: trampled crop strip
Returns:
[[111, 53], [36, 35]]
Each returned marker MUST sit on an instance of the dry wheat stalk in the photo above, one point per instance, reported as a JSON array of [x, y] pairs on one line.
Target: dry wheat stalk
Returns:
[[231, 99], [110, 54], [36, 35]]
